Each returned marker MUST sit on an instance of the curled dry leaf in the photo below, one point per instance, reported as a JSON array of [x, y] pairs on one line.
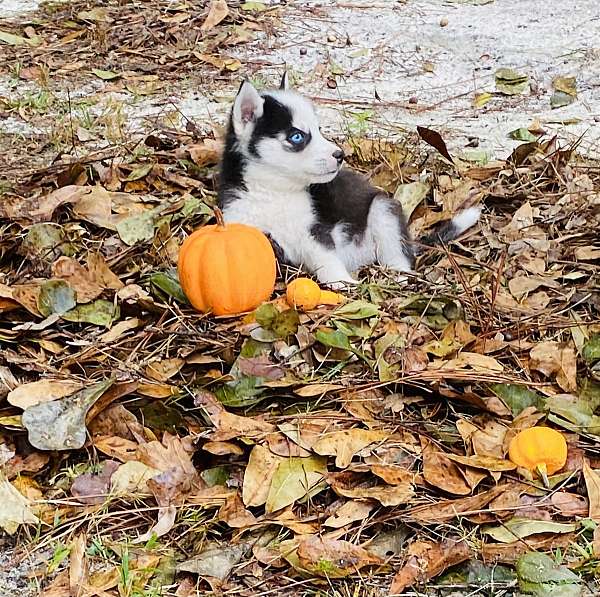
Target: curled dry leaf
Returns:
[[349, 513], [44, 390], [446, 510], [78, 278], [425, 560], [131, 478], [551, 358], [333, 558], [15, 508], [345, 444], [217, 11], [394, 495], [233, 513], [592, 484], [439, 471]]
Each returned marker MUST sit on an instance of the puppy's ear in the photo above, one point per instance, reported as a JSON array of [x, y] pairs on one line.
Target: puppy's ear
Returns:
[[247, 108], [285, 83]]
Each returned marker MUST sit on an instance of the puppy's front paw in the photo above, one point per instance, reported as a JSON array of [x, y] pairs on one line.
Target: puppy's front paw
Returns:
[[343, 284]]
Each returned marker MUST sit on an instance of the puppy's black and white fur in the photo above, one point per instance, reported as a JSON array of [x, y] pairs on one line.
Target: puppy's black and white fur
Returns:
[[279, 174]]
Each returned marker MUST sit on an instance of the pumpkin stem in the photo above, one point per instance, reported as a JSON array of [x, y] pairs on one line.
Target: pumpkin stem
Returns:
[[219, 216], [543, 473]]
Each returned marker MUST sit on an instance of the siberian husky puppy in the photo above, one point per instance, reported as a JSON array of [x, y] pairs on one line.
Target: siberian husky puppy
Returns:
[[279, 174]]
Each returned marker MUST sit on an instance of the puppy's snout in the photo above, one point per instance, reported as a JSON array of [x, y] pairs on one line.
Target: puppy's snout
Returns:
[[338, 154]]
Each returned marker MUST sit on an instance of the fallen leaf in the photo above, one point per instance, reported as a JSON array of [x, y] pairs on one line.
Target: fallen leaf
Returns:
[[44, 390], [388, 495], [345, 444], [333, 558], [93, 488], [551, 358], [425, 560], [215, 560], [434, 139], [60, 424], [131, 478], [439, 471], [294, 479], [541, 575], [15, 508], [518, 528], [510, 82], [78, 564], [592, 484], [217, 12], [348, 513]]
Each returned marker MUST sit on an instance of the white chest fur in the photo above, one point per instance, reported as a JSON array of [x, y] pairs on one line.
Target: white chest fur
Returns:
[[287, 216]]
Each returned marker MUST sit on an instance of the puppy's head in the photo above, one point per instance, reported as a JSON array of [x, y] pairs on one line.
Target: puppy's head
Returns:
[[279, 131]]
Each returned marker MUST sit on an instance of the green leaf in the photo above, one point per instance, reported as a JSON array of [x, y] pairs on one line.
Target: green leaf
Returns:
[[56, 296], [510, 82], [168, 282], [295, 479], [46, 242], [60, 424], [518, 397], [218, 475], [522, 134], [258, 6], [243, 393], [140, 172], [266, 314], [100, 312], [139, 227], [17, 40], [333, 339], [105, 75], [286, 323], [518, 528], [591, 349], [560, 99], [574, 415], [540, 575], [357, 310], [410, 195]]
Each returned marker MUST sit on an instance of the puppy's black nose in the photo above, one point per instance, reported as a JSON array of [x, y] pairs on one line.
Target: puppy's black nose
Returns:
[[338, 155]]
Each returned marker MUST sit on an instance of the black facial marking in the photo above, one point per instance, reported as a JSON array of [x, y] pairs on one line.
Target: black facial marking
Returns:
[[275, 120], [233, 165]]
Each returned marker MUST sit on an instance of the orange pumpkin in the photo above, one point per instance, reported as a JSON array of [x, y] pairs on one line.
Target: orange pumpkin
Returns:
[[227, 269]]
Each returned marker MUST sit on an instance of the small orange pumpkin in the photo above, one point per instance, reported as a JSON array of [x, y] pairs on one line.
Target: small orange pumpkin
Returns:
[[539, 449], [305, 294], [227, 269]]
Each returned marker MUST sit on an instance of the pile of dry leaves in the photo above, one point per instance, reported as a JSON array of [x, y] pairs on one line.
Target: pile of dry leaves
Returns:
[[145, 445]]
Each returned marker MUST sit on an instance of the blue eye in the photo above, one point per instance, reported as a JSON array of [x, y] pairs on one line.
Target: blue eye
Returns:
[[296, 138]]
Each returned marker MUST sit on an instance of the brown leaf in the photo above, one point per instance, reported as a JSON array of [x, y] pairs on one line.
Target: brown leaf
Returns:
[[92, 488], [163, 370], [348, 513], [116, 420], [77, 277], [345, 444], [45, 390], [258, 475], [509, 553], [101, 273], [425, 560], [260, 367], [78, 566], [222, 448], [551, 358], [441, 472], [592, 484], [120, 448], [333, 558], [47, 205], [205, 153], [434, 139], [488, 463], [217, 11], [446, 510], [393, 474], [388, 495], [233, 513], [570, 504]]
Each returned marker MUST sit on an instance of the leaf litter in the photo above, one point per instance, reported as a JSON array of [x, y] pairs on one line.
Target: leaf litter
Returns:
[[216, 452]]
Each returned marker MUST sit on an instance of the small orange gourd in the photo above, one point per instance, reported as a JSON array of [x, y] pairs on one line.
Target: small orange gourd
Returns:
[[539, 449], [305, 294], [227, 269]]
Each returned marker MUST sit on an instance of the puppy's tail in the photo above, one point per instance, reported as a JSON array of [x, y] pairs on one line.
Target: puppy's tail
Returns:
[[451, 229]]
